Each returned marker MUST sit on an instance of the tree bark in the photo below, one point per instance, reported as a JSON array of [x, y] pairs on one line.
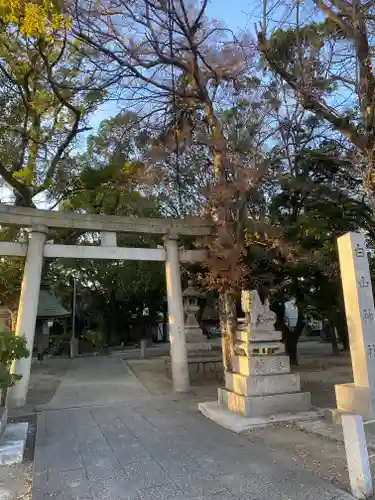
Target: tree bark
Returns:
[[342, 329], [290, 336], [228, 324], [291, 342], [335, 347]]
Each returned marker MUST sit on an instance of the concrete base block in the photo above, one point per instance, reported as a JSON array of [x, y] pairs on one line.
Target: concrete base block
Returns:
[[261, 365], [263, 384], [333, 415], [13, 443], [354, 399], [236, 423], [259, 406], [262, 336]]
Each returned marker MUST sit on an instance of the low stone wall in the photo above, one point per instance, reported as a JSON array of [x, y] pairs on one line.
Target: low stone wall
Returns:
[[205, 367]]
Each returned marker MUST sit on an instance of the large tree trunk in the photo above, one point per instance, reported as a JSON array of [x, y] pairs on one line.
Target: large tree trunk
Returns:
[[291, 342], [228, 325], [290, 336], [342, 329], [369, 177], [291, 339], [335, 347]]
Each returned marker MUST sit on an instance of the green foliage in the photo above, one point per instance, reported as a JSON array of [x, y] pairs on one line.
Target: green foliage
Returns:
[[96, 339], [107, 174], [60, 344], [11, 271], [47, 92], [33, 19], [11, 349]]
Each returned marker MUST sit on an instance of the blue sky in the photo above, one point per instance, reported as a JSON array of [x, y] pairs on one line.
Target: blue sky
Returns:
[[238, 15], [234, 13]]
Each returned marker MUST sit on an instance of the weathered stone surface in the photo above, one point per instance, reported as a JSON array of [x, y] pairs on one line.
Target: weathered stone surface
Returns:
[[354, 399], [360, 313], [256, 348], [257, 406], [261, 365], [12, 444], [263, 384], [27, 217], [257, 314], [238, 424], [258, 336]]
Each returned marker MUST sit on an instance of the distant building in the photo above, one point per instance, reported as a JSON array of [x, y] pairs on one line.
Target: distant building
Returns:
[[49, 309]]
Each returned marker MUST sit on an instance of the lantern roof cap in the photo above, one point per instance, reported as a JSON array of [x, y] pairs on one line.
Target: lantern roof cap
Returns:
[[191, 290]]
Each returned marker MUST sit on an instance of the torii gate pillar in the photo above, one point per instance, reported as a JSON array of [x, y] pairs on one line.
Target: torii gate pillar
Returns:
[[27, 311], [180, 370]]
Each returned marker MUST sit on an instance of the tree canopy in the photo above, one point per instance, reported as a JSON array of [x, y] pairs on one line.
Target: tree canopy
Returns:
[[269, 134]]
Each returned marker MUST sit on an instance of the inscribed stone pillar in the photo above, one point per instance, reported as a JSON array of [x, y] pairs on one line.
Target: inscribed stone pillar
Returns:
[[359, 307], [27, 310], [180, 372]]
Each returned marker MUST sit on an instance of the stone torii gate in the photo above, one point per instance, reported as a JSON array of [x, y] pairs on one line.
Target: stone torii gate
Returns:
[[38, 222]]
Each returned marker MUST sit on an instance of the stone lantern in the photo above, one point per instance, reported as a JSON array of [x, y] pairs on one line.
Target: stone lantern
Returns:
[[195, 340]]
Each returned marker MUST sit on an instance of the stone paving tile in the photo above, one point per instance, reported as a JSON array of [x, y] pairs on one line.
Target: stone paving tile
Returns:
[[59, 462], [77, 491], [106, 467], [220, 495], [225, 465], [146, 473], [70, 478], [154, 449], [114, 489], [308, 491], [134, 452], [167, 452], [181, 467], [252, 488], [166, 492], [196, 485], [110, 431], [95, 446]]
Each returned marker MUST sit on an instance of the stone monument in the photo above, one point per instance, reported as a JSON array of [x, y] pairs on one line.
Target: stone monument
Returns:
[[358, 397], [261, 383], [195, 340]]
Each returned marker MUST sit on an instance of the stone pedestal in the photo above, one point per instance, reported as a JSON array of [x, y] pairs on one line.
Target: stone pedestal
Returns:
[[261, 383], [196, 342]]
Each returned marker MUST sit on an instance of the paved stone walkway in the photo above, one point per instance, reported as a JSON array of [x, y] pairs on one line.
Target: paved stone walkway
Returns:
[[104, 437]]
